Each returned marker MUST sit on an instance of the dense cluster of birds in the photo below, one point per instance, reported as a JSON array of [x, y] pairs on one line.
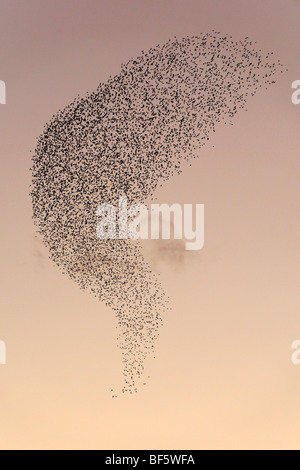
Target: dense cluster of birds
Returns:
[[126, 138]]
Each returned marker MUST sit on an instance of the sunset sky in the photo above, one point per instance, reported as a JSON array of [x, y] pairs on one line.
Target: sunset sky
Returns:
[[222, 377]]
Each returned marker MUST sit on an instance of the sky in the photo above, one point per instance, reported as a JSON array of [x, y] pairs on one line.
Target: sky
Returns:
[[222, 377]]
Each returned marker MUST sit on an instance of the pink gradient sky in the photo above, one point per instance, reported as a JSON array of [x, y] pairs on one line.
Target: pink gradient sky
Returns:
[[223, 376]]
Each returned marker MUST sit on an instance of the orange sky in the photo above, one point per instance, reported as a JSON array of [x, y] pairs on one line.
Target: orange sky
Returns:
[[223, 376]]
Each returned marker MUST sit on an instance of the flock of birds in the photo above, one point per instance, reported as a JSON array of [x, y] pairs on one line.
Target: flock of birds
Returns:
[[126, 138]]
